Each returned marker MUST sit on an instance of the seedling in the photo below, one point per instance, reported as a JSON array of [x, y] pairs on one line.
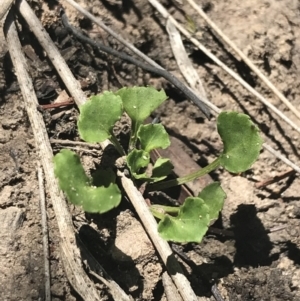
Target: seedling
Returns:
[[100, 193]]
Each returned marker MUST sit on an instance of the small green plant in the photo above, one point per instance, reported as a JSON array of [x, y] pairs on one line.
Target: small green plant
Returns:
[[99, 193]]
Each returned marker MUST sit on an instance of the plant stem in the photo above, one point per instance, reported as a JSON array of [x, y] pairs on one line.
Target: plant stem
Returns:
[[157, 213], [113, 139], [165, 209], [160, 211], [188, 178], [133, 134], [132, 141]]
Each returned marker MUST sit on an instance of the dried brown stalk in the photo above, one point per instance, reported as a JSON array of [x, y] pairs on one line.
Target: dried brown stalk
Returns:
[[244, 57], [77, 276]]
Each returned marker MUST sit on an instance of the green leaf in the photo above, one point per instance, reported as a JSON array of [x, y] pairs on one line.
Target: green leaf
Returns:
[[79, 187], [153, 136], [241, 139], [136, 160], [194, 217], [140, 102], [190, 225], [213, 196], [161, 169], [98, 116]]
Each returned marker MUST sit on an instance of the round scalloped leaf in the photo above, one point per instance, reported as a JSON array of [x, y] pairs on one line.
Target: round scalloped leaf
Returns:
[[78, 186], [241, 139], [190, 225], [161, 169], [153, 136], [214, 196], [140, 102], [98, 116], [136, 160]]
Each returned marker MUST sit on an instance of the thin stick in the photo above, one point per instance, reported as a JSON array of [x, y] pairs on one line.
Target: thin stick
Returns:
[[100, 278], [70, 142], [56, 105], [70, 254], [275, 179], [121, 39], [160, 244], [244, 58], [185, 66], [169, 288], [277, 228], [216, 293], [166, 15], [116, 291], [44, 234], [183, 61], [94, 268], [54, 55], [79, 149], [112, 33], [124, 56], [281, 157]]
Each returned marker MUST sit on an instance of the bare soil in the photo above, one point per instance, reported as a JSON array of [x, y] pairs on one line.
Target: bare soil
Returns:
[[259, 258]]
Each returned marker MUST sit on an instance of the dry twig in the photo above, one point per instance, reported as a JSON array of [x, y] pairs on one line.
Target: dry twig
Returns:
[[184, 63], [115, 290], [166, 15], [216, 293], [281, 157], [112, 33], [45, 234], [77, 277], [70, 254], [169, 288], [160, 244], [126, 57], [185, 66], [70, 142], [275, 179], [52, 52], [244, 58]]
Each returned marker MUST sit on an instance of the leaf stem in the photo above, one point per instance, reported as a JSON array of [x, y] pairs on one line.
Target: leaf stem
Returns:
[[157, 213], [160, 211], [133, 134], [163, 210], [188, 178], [113, 139]]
